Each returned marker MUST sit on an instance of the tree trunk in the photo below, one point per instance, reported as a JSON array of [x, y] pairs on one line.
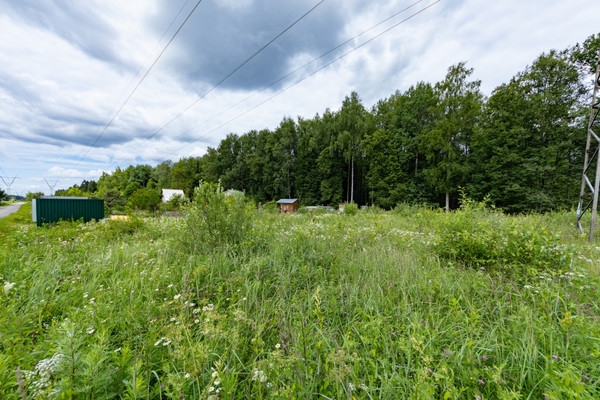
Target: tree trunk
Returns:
[[416, 163], [352, 183], [447, 201]]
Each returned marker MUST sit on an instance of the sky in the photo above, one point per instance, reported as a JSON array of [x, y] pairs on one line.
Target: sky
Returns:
[[89, 86]]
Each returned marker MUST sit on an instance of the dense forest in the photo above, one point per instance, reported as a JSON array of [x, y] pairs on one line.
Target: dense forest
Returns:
[[521, 148]]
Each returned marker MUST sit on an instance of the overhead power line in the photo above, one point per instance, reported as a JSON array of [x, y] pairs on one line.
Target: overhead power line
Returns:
[[240, 66], [235, 70], [317, 70], [139, 83]]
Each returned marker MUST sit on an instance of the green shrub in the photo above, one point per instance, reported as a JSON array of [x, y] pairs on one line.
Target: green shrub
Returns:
[[350, 208], [215, 220], [271, 207], [481, 238]]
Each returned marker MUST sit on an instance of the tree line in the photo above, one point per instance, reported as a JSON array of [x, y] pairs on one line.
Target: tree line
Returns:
[[521, 148]]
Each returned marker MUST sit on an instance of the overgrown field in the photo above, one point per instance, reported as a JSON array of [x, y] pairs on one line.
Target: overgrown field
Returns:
[[411, 303]]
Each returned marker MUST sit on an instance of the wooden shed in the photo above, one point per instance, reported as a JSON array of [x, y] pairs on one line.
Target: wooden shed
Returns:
[[288, 206]]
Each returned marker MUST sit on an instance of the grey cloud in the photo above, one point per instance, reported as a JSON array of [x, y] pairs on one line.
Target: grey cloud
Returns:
[[216, 40]]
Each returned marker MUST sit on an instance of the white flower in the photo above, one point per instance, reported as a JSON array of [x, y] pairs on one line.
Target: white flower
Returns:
[[187, 376], [259, 376], [117, 350], [90, 330], [278, 346], [8, 286], [215, 374], [176, 297]]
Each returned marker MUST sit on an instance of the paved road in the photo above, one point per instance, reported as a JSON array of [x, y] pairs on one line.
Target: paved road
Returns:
[[9, 209]]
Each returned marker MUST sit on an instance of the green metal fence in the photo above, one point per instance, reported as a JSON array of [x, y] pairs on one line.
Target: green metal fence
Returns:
[[46, 210]]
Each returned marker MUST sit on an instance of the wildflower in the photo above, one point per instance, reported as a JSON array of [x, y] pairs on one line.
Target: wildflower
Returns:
[[554, 357], [215, 374], [351, 386], [176, 297], [196, 321], [211, 389], [216, 382], [484, 358], [117, 350], [90, 330], [482, 382], [259, 375], [209, 307], [187, 376], [8, 286], [85, 295], [278, 346]]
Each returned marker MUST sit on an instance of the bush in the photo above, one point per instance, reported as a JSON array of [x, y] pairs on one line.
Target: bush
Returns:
[[215, 220], [271, 207], [480, 238], [350, 209]]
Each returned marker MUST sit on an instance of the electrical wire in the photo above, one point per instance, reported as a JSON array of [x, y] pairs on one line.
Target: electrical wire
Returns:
[[90, 147], [311, 74], [235, 70], [296, 70]]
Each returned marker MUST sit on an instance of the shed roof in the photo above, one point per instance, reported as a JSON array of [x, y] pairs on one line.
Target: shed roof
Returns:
[[286, 201]]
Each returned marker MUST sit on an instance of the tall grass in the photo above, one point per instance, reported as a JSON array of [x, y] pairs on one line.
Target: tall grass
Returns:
[[380, 305]]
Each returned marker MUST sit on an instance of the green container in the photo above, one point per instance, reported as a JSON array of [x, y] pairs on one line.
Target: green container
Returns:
[[46, 210]]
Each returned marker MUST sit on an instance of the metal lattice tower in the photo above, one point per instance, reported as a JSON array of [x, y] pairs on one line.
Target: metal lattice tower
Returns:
[[588, 197], [7, 183], [51, 186]]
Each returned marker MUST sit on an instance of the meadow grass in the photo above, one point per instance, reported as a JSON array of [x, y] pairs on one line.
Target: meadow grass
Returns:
[[412, 304]]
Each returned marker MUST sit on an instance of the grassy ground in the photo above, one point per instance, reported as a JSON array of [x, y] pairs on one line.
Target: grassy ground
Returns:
[[406, 304]]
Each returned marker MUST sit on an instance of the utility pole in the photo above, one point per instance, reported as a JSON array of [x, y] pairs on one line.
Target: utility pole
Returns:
[[588, 197], [51, 186], [5, 179]]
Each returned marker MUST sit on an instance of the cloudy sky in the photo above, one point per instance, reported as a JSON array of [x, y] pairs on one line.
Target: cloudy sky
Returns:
[[86, 86]]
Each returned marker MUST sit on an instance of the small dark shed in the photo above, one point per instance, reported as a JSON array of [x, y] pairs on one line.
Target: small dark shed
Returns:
[[288, 206], [50, 209]]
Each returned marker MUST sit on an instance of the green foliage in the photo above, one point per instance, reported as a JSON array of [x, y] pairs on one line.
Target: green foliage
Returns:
[[271, 207], [350, 209], [330, 306], [33, 195], [175, 203], [114, 202], [481, 238], [215, 220], [145, 199]]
